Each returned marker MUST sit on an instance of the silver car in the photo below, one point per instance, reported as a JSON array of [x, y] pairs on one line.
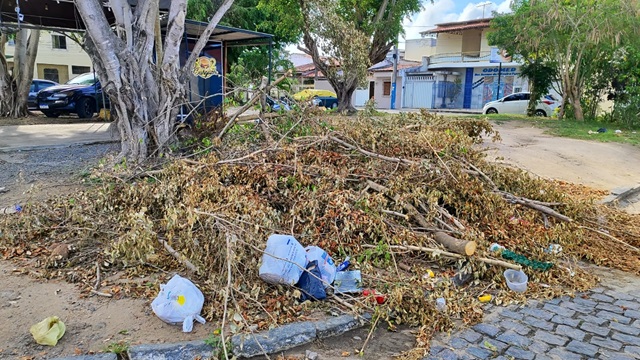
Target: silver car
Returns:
[[517, 104]]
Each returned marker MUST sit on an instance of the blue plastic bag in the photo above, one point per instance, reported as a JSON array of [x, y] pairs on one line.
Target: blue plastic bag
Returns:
[[311, 286]]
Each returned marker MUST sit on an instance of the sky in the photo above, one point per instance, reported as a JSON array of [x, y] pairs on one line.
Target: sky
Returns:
[[442, 11]]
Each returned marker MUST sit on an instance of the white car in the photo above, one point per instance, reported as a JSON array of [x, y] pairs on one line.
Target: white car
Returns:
[[517, 104]]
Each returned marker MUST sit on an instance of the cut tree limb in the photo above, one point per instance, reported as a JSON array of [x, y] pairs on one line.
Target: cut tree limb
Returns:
[[177, 255], [372, 154], [251, 102], [456, 245], [449, 254]]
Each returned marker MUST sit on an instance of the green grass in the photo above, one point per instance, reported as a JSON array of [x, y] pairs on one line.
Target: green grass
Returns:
[[575, 129]]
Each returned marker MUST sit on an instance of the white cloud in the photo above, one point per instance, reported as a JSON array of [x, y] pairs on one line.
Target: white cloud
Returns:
[[442, 11]]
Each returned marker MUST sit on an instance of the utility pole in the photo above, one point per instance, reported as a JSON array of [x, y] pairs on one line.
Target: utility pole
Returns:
[[394, 77]]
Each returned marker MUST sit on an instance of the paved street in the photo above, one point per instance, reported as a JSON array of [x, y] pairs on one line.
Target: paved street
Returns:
[[26, 137], [601, 324]]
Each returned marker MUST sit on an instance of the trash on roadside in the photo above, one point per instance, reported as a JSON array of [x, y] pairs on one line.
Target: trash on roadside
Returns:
[[311, 286], [553, 249], [429, 274], [11, 209], [325, 263], [441, 304], [283, 261], [496, 247], [179, 301], [48, 331], [347, 282], [602, 130], [516, 280], [379, 298], [484, 298], [618, 131], [344, 265]]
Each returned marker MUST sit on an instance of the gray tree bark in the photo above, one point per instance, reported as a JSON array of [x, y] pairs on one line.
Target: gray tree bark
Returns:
[[145, 92], [14, 87]]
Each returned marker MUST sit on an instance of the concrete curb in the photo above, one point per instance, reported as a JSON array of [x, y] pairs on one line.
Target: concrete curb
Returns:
[[249, 345]]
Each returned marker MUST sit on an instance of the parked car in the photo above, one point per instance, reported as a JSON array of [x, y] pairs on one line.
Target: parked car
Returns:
[[37, 85], [277, 105], [516, 104], [329, 102], [81, 95], [553, 101], [307, 94]]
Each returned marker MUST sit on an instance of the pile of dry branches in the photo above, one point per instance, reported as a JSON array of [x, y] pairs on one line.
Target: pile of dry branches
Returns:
[[378, 189]]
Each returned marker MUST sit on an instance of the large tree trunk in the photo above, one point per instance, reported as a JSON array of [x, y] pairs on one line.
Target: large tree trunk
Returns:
[[345, 91], [145, 91], [15, 86]]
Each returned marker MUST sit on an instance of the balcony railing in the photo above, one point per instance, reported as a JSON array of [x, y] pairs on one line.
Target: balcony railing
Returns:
[[472, 56]]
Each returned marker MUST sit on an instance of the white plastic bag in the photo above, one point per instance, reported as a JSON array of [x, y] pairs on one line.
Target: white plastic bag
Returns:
[[283, 260], [325, 263], [179, 301]]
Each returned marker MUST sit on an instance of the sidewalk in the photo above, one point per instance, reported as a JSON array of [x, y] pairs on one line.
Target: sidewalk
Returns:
[[601, 324], [27, 137]]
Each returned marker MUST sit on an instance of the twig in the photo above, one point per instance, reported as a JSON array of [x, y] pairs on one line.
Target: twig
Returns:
[[410, 208], [450, 217], [373, 328], [226, 297], [248, 105], [611, 237], [176, 255], [372, 154], [97, 285], [449, 254], [101, 293], [404, 216], [439, 158]]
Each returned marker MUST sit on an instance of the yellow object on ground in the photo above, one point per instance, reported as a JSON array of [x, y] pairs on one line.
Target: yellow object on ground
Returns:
[[484, 298], [307, 94], [430, 273], [105, 114], [48, 331]]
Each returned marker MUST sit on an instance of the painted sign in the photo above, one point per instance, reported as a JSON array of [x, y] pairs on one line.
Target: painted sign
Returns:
[[205, 67]]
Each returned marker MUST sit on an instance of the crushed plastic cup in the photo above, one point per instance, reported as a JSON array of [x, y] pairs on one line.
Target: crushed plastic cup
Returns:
[[516, 280]]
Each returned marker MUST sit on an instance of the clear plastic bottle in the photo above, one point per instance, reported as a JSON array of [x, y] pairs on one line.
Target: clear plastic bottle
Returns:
[[11, 209]]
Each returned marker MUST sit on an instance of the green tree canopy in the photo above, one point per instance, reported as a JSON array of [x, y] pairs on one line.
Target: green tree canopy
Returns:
[[573, 36]]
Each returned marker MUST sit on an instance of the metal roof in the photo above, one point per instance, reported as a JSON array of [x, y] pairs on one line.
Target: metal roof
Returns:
[[62, 15], [227, 34]]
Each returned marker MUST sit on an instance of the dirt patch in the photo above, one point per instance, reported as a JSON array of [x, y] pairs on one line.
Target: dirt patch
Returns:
[[92, 322], [604, 166]]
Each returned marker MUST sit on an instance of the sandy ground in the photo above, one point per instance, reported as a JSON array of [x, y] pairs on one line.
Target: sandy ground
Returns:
[[95, 322], [606, 166]]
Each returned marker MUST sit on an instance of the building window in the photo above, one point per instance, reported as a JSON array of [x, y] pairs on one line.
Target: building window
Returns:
[[51, 74], [80, 69], [59, 41], [386, 88]]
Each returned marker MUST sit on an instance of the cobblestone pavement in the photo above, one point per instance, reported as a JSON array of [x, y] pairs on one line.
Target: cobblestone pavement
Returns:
[[601, 324]]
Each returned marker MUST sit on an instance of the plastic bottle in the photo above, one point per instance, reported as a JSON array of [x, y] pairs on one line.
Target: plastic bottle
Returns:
[[441, 304], [11, 209], [496, 247], [344, 265]]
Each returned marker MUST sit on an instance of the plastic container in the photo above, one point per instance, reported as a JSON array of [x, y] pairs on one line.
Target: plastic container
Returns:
[[11, 209], [283, 260], [516, 280], [344, 265], [325, 263], [441, 304]]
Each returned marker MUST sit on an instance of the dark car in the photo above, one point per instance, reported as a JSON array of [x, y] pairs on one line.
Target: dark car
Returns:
[[37, 85], [81, 95], [328, 102]]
